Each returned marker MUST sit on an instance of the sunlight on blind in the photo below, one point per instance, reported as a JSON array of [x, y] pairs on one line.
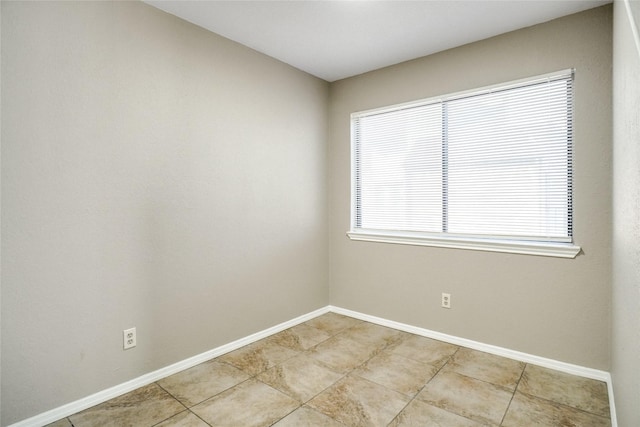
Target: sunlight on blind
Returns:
[[399, 170], [495, 163]]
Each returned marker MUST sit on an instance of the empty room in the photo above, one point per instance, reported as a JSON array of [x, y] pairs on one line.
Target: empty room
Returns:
[[320, 213]]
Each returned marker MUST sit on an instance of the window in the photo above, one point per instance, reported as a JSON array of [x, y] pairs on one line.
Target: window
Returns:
[[488, 169]]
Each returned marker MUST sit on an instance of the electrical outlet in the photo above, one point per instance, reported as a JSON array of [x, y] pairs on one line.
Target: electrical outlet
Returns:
[[129, 338], [446, 300]]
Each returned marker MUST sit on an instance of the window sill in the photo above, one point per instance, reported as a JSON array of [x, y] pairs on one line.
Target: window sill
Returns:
[[560, 250]]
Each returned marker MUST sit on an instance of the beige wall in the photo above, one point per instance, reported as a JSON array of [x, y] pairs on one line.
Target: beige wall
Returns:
[[153, 175], [626, 218], [549, 307]]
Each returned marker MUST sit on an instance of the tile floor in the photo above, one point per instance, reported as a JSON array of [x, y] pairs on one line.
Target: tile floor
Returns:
[[337, 371]]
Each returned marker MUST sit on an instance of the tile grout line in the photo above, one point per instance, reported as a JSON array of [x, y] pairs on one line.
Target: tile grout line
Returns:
[[306, 352], [186, 408], [559, 403], [349, 372], [553, 402], [344, 375], [415, 397], [513, 395], [440, 370], [200, 418]]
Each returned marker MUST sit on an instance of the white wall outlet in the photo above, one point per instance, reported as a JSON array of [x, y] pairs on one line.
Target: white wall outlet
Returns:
[[446, 300], [129, 338]]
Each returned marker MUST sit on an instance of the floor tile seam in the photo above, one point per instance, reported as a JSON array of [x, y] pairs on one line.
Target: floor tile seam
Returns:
[[454, 368], [438, 371], [347, 373], [331, 337], [314, 346], [284, 416], [448, 358], [412, 395], [249, 379], [318, 394], [161, 421], [373, 354], [298, 352], [188, 407], [333, 333], [217, 359], [176, 414], [281, 392], [200, 418], [309, 353], [305, 323], [109, 404], [564, 405], [322, 363], [461, 415], [314, 410], [479, 420], [508, 407], [252, 375], [336, 332], [414, 360], [302, 403], [352, 374], [503, 388], [607, 395], [415, 398], [444, 409], [370, 344], [369, 357], [513, 394], [403, 409], [217, 394]]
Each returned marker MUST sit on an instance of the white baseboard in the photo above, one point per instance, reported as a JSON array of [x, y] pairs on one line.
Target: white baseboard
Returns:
[[110, 393], [102, 396], [492, 349]]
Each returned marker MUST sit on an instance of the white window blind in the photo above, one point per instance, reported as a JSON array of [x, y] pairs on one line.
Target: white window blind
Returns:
[[489, 164]]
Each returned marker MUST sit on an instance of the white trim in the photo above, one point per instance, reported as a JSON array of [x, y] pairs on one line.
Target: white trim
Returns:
[[612, 404], [102, 396], [110, 393], [557, 75], [475, 345], [560, 250], [544, 362], [382, 140]]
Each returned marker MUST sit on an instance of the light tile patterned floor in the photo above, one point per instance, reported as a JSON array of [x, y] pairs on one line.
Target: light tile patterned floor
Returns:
[[337, 371]]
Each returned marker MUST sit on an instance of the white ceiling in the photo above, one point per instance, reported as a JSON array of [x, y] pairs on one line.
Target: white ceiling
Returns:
[[337, 39]]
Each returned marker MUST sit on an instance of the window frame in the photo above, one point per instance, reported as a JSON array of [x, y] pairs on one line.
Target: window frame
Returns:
[[447, 240]]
